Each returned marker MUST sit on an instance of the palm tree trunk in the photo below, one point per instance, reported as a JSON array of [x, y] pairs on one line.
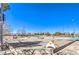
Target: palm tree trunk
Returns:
[[1, 28]]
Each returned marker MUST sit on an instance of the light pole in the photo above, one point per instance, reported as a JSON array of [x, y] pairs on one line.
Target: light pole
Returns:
[[73, 27], [63, 32]]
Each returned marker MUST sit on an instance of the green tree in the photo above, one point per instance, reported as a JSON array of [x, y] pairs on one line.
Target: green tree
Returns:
[[48, 34], [58, 33]]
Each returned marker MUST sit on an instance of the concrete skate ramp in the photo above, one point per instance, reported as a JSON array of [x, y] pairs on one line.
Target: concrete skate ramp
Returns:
[[62, 47], [24, 44]]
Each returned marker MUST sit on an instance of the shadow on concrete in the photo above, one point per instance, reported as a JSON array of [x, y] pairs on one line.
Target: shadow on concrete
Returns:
[[24, 44], [62, 47]]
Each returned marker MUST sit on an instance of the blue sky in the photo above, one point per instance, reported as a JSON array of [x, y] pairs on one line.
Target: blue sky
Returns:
[[43, 17]]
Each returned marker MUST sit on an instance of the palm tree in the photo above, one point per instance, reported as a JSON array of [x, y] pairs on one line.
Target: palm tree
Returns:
[[4, 7]]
